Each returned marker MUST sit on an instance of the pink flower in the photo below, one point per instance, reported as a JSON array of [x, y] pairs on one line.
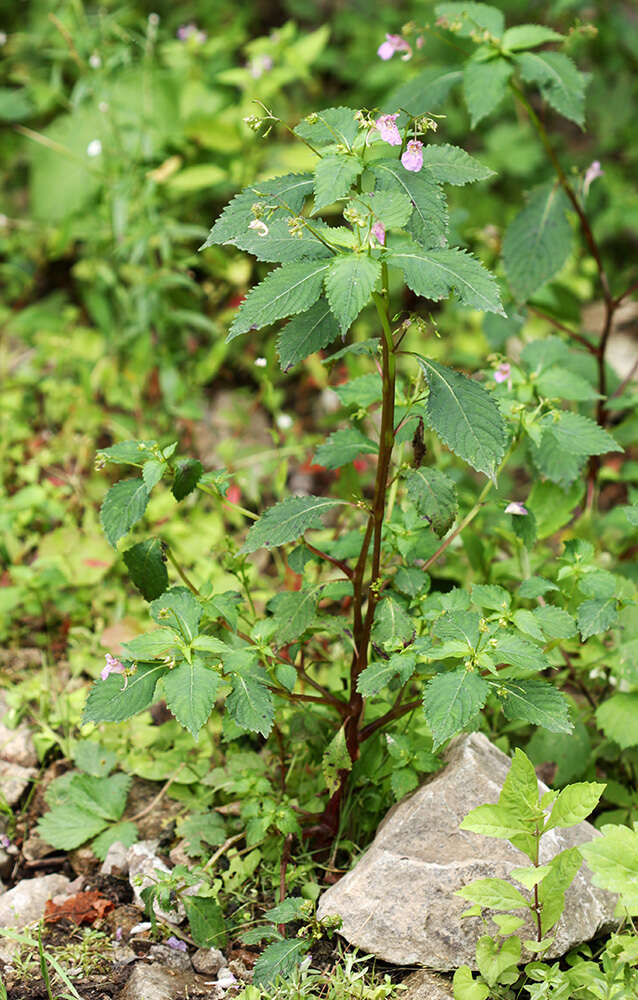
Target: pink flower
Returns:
[[176, 944], [186, 31], [113, 666], [392, 44], [516, 508], [260, 65], [388, 129], [378, 231], [503, 372], [593, 171], [412, 159]]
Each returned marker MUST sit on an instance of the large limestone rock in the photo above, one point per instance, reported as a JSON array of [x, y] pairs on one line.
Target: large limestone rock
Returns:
[[398, 903]]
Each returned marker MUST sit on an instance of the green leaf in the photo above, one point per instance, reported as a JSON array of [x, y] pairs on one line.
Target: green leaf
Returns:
[[580, 435], [535, 586], [289, 289], [206, 921], [494, 821], [561, 383], [428, 224], [335, 761], [538, 241], [179, 609], [537, 702], [434, 495], [392, 628], [525, 656], [411, 581], [465, 417], [488, 595], [361, 391], [617, 718], [233, 224], [468, 988], [123, 506], [574, 804], [469, 19], [93, 758], [596, 616], [151, 645], [391, 207], [191, 690], [378, 674], [485, 85], [186, 478], [551, 891], [452, 165], [494, 894], [292, 908], [126, 833], [560, 82], [279, 244], [250, 703], [462, 626], [146, 564], [334, 176], [105, 797], [306, 334], [495, 959], [528, 36], [560, 466], [519, 793], [287, 521], [450, 701], [329, 126], [343, 447], [66, 828], [294, 612], [555, 623], [128, 453], [613, 858], [201, 829], [114, 701], [350, 281], [278, 960], [435, 274], [425, 92], [403, 781], [152, 472]]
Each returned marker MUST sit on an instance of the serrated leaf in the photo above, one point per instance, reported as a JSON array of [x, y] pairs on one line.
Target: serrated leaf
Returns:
[[459, 626], [93, 758], [537, 702], [278, 960], [291, 190], [343, 447], [450, 701], [350, 281], [187, 477], [411, 581], [335, 761], [250, 704], [191, 690], [112, 701], [489, 595], [151, 645], [465, 417], [596, 616], [279, 244], [128, 453], [485, 85], [402, 781], [555, 463], [287, 521], [289, 289], [528, 36], [178, 609], [448, 164], [617, 718], [206, 921], [494, 893], [105, 797], [560, 82], [538, 241], [292, 908], [201, 829], [378, 674], [581, 436], [147, 568], [329, 127], [434, 495], [152, 472], [334, 176], [535, 586], [429, 221], [126, 833], [306, 334], [560, 383], [425, 92], [574, 804], [294, 612], [392, 208], [469, 18], [392, 627], [123, 506], [361, 391], [69, 827], [555, 623], [435, 274], [525, 656]]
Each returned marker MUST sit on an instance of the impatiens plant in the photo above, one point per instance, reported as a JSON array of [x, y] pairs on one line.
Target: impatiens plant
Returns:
[[368, 638]]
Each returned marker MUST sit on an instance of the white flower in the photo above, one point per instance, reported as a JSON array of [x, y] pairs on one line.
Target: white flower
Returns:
[[3, 38], [260, 362], [284, 421], [94, 61], [94, 148], [153, 20], [103, 107]]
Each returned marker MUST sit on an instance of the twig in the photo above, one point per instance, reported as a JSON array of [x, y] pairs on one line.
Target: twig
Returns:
[[171, 558], [561, 326], [335, 562], [222, 850], [158, 798]]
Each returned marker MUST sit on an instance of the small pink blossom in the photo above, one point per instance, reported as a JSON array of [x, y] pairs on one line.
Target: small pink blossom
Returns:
[[4, 841], [186, 31], [260, 65], [516, 508], [392, 44], [503, 372], [388, 129], [176, 944], [412, 159], [378, 231], [113, 666], [593, 171], [118, 933]]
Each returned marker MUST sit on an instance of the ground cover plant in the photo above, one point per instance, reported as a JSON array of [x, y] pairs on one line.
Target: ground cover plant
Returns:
[[437, 531]]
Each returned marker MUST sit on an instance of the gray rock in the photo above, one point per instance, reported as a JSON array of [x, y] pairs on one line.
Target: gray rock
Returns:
[[153, 982], [16, 745], [116, 858], [398, 903], [24, 904], [172, 958], [14, 780], [424, 985], [123, 955], [142, 865], [208, 961]]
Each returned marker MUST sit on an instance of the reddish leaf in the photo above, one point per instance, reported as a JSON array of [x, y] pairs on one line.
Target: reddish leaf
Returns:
[[83, 908]]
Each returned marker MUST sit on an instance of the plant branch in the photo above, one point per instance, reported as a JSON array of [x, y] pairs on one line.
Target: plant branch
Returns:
[[335, 562], [396, 712], [182, 575], [561, 326]]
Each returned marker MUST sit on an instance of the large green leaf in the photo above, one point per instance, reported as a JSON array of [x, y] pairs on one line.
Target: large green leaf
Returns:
[[560, 82], [581, 436], [379, 673], [465, 417], [574, 804], [179, 609], [451, 700], [596, 616], [287, 521], [334, 176], [529, 36], [452, 165], [538, 241], [434, 495], [537, 702], [429, 219], [469, 19], [190, 690], [288, 290], [146, 564], [281, 198], [123, 506], [250, 703], [613, 858], [343, 447], [393, 628], [331, 126], [206, 921], [485, 85], [278, 960], [350, 280], [425, 92], [294, 612], [113, 700], [306, 334], [65, 829], [279, 245], [435, 274], [618, 717]]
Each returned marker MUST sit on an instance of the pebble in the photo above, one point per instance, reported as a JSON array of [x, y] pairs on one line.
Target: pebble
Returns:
[[208, 961]]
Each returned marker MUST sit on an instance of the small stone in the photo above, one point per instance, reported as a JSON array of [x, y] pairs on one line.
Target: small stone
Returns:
[[179, 856], [171, 958], [208, 961], [123, 955], [153, 982], [424, 985], [225, 977], [14, 780], [24, 904], [116, 860], [16, 745], [143, 863], [239, 970]]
